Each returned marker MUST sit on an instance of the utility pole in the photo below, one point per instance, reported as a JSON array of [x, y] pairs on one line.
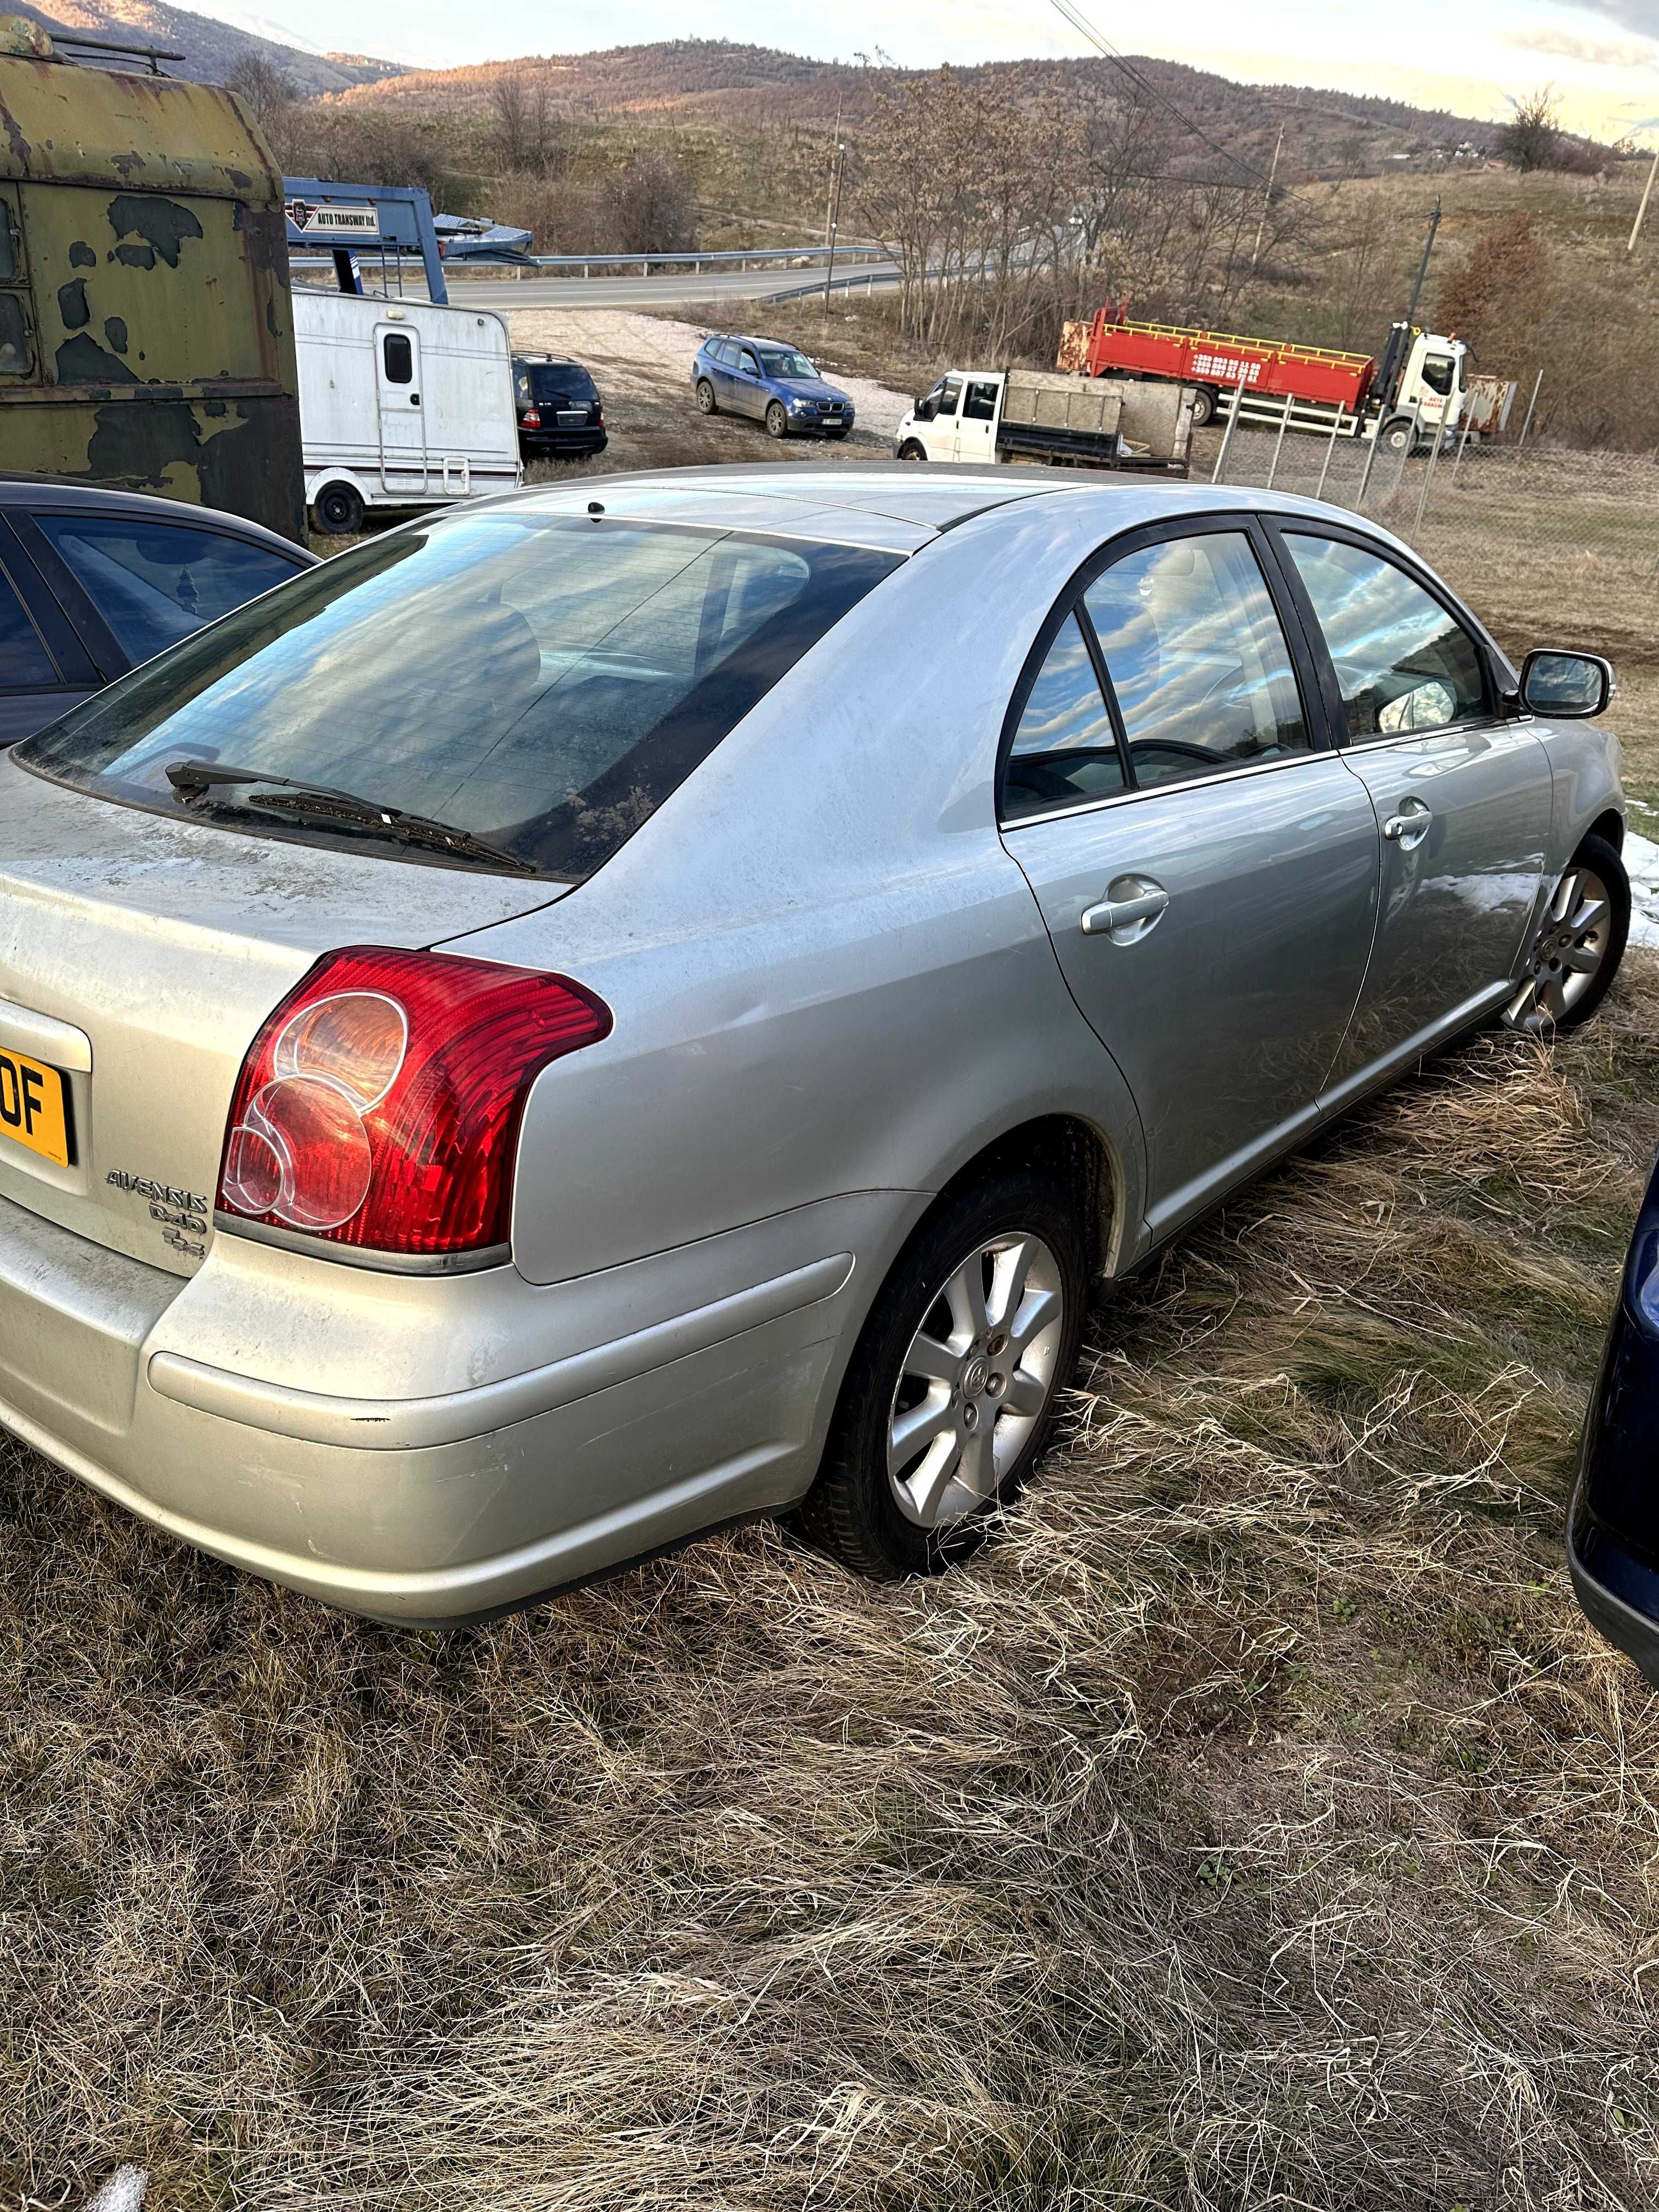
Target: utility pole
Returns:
[[1423, 265], [1647, 194], [1266, 199], [835, 216], [829, 187]]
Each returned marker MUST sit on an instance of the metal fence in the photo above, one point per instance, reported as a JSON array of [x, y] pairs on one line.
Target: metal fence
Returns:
[[1541, 539]]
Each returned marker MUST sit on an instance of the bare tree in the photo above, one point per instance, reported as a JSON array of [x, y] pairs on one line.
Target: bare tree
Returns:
[[651, 205], [269, 97], [530, 137], [1531, 139]]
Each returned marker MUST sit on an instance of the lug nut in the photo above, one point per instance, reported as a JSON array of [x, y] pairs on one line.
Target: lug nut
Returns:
[[970, 1416]]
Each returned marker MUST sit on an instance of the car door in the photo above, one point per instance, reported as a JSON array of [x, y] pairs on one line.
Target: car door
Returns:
[[718, 360], [1461, 795], [1205, 862], [749, 391], [398, 395], [944, 429], [977, 424], [44, 670]]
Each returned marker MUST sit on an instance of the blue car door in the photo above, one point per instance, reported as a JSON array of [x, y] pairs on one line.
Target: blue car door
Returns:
[[749, 394]]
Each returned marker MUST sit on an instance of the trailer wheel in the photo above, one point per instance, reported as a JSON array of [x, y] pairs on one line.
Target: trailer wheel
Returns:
[[339, 510], [1205, 403]]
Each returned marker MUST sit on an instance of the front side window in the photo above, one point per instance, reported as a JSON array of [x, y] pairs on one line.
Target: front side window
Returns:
[[979, 403], [1064, 750], [1197, 658], [1402, 662], [949, 393], [155, 583], [747, 363], [25, 663], [399, 358], [538, 682], [1438, 370]]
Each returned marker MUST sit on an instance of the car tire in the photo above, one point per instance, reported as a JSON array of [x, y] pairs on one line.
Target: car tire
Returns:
[[910, 451], [339, 510], [1588, 919], [1019, 1232], [705, 400], [1205, 403], [777, 420]]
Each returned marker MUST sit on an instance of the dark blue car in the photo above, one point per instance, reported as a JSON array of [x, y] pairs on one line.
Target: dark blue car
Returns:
[[771, 382], [1612, 1527]]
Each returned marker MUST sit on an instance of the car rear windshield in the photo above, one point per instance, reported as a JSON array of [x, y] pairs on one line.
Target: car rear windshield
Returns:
[[541, 682], [561, 381]]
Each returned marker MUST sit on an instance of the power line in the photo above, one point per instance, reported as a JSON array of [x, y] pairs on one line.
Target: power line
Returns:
[[1079, 22]]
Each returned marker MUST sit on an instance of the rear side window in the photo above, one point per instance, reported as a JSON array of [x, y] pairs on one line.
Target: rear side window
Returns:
[[543, 682], [1197, 658], [1402, 662], [979, 404], [1064, 750], [25, 663], [155, 583]]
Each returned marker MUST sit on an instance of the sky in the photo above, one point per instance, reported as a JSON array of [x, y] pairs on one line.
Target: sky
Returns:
[[1475, 58]]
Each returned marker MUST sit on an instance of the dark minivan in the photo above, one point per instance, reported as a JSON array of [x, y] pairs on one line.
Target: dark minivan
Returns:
[[561, 415]]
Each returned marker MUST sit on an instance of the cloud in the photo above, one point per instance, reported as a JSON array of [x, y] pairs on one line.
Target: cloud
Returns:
[[1641, 16], [1600, 53]]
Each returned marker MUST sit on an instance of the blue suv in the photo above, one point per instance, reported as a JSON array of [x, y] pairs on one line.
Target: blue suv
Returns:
[[770, 381]]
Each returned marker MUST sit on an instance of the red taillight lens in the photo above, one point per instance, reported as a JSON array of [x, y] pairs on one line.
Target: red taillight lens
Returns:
[[531, 419], [379, 1105]]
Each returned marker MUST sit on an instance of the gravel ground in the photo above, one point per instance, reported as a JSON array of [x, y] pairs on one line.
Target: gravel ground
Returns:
[[642, 366]]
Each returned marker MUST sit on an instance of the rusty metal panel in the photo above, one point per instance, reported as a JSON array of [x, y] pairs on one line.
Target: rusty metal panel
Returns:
[[152, 272], [1074, 349]]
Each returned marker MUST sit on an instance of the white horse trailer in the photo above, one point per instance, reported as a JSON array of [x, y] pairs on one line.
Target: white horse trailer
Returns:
[[402, 405]]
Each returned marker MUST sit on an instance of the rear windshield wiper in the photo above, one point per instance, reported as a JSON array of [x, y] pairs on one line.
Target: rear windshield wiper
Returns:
[[325, 802]]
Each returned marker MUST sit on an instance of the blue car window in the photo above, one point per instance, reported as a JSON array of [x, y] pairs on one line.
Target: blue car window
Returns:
[[156, 582], [25, 663], [747, 363]]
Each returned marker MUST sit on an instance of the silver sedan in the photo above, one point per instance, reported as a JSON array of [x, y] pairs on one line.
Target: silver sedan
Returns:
[[650, 1002]]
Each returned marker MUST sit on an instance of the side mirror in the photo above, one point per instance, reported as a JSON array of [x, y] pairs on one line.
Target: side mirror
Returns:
[[1567, 686], [922, 412]]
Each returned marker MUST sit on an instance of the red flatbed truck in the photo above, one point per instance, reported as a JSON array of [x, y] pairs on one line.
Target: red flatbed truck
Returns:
[[1418, 387]]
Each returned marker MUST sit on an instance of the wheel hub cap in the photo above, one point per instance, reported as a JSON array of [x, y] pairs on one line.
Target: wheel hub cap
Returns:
[[1567, 953], [976, 1380]]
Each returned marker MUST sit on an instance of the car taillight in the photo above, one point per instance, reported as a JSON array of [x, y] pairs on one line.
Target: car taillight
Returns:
[[378, 1106], [531, 419]]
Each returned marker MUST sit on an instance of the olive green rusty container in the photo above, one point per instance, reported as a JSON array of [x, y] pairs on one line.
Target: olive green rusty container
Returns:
[[146, 330]]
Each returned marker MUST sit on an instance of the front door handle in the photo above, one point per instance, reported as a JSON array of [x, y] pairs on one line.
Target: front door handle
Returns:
[[1132, 906], [1410, 826]]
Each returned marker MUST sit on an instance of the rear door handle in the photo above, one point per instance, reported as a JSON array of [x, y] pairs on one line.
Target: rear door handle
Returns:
[[1410, 826], [1130, 914]]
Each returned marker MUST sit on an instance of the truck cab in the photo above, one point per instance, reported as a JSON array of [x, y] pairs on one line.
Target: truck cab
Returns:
[[1431, 391]]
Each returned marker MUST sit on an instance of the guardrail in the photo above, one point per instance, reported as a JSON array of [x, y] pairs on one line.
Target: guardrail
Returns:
[[726, 257]]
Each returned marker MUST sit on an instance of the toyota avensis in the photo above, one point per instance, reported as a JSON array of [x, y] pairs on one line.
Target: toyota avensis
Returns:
[[582, 1020]]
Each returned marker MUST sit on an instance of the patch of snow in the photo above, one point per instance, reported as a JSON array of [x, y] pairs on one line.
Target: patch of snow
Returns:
[[124, 2191], [1641, 861]]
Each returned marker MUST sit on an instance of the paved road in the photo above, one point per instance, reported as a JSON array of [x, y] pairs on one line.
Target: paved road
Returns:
[[647, 291]]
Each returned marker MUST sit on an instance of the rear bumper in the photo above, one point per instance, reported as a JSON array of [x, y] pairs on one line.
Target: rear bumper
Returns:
[[195, 1402], [548, 444], [1632, 1631]]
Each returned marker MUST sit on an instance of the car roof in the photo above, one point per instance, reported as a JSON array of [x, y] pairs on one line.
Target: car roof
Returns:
[[18, 488], [897, 505]]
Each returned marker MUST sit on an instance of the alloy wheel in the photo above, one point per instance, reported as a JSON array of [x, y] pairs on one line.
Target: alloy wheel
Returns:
[[1566, 954], [976, 1379]]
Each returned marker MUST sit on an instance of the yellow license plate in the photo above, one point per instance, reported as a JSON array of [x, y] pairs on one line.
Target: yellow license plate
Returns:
[[34, 1106]]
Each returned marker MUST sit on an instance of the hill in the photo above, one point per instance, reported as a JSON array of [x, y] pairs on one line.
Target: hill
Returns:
[[1327, 133], [211, 49]]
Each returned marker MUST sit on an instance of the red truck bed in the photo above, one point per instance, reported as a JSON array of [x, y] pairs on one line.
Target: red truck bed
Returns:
[[1111, 344]]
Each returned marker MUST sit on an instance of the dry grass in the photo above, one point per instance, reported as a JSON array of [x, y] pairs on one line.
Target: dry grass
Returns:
[[1256, 1824]]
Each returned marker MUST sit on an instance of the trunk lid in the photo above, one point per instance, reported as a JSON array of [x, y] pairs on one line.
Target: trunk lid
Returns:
[[163, 944]]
